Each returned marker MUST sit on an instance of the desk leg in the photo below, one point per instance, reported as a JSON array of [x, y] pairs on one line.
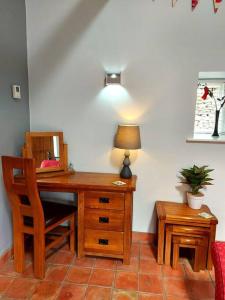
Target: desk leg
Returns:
[[127, 227], [161, 234], [211, 239], [80, 236]]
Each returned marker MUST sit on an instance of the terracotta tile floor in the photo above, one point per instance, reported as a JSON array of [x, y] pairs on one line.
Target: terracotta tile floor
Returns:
[[69, 278]]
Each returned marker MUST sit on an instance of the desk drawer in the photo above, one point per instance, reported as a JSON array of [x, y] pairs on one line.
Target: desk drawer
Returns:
[[103, 241], [104, 200], [104, 219]]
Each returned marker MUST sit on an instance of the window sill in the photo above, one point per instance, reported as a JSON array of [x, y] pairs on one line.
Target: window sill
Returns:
[[206, 138]]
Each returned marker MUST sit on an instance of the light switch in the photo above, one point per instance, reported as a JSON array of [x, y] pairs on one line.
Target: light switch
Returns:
[[16, 92]]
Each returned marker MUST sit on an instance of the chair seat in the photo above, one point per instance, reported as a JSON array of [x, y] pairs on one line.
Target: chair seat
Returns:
[[53, 212], [58, 200]]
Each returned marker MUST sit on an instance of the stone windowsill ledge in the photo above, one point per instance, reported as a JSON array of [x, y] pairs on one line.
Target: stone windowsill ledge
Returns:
[[206, 138]]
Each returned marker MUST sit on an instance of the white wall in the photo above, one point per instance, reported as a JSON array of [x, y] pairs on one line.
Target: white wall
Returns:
[[14, 115], [160, 51]]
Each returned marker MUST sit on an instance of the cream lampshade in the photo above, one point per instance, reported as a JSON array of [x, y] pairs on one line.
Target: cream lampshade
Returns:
[[128, 138]]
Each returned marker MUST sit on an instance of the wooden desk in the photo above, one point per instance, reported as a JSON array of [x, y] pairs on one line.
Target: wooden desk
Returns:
[[182, 214], [104, 211]]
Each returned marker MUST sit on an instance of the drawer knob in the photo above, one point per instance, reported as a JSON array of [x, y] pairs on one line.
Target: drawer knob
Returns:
[[103, 242], [103, 220], [103, 200]]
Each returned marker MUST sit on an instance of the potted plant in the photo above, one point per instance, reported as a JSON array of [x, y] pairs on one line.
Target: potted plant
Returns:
[[197, 178]]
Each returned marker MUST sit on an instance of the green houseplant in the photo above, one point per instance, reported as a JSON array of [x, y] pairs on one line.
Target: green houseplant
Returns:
[[197, 178]]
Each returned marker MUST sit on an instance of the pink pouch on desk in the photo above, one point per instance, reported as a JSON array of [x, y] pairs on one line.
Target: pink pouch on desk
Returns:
[[50, 163]]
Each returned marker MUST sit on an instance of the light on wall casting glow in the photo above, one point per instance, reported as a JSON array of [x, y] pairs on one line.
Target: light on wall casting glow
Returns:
[[112, 78]]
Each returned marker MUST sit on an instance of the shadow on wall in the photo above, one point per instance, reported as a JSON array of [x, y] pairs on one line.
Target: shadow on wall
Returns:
[[153, 221], [182, 189], [3, 193], [66, 35]]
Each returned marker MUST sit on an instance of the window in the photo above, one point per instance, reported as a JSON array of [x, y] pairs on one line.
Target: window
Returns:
[[205, 110]]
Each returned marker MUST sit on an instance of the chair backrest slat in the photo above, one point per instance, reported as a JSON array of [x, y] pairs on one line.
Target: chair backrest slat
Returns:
[[20, 189], [26, 210], [25, 186]]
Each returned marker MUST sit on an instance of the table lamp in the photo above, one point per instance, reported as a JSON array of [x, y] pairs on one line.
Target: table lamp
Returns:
[[128, 138]]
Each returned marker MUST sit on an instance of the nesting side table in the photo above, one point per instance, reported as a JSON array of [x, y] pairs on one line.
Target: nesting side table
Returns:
[[181, 214]]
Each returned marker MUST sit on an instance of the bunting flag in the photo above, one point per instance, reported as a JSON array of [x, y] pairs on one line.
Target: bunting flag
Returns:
[[216, 5], [194, 4], [174, 2]]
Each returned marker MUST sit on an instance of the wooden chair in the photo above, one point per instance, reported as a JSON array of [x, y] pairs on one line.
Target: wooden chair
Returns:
[[32, 217], [198, 244]]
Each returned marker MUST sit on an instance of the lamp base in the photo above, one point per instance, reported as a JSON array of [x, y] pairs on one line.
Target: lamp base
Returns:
[[125, 172]]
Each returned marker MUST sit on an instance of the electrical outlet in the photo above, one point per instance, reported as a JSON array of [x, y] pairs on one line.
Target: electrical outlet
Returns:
[[16, 92]]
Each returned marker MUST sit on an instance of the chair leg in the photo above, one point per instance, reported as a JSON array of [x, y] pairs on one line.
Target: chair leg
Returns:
[[72, 234], [175, 255], [168, 247], [39, 255], [18, 251]]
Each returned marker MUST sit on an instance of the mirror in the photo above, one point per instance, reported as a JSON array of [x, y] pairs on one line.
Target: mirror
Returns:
[[45, 150], [48, 150]]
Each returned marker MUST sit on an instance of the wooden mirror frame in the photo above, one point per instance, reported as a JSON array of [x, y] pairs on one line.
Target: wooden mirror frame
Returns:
[[27, 150]]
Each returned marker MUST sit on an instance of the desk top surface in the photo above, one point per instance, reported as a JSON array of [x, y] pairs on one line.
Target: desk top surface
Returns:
[[86, 181], [172, 211]]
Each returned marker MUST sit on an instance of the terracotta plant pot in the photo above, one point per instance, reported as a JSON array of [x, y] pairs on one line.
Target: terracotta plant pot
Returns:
[[195, 201]]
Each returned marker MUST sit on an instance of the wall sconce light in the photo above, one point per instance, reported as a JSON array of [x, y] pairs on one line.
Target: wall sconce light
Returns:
[[112, 78]]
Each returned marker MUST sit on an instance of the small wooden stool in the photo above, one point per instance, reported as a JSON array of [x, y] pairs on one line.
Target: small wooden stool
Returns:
[[199, 244], [182, 230]]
